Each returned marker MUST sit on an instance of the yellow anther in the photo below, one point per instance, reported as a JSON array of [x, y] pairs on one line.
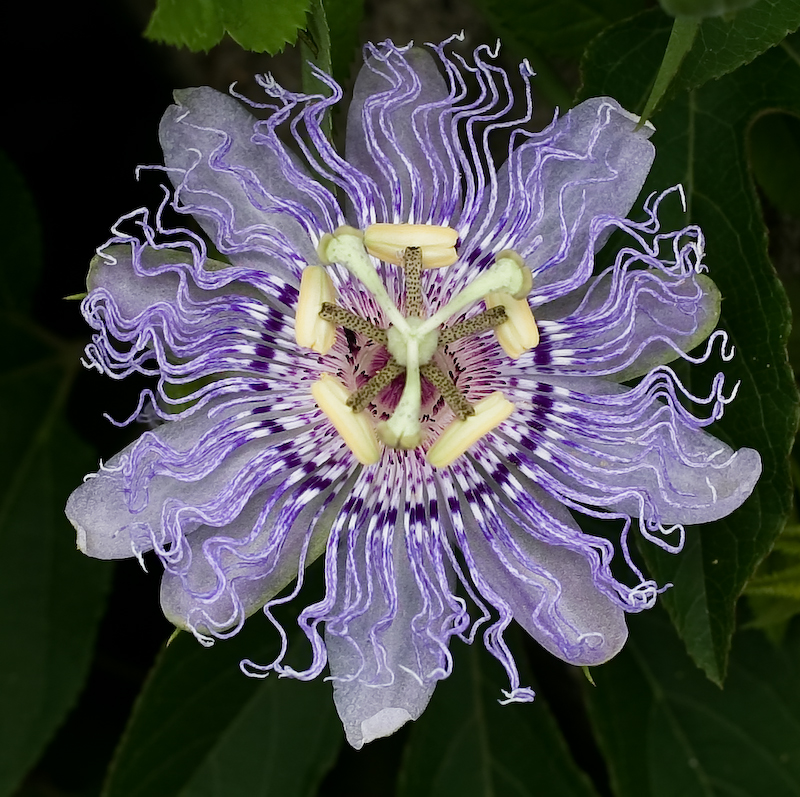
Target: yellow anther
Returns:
[[460, 435], [354, 428], [311, 331], [388, 242], [518, 333]]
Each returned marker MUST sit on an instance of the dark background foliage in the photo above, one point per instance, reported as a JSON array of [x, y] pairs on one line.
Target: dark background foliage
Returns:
[[703, 700]]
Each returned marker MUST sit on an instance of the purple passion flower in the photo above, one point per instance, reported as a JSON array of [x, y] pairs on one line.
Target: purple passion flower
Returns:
[[411, 366]]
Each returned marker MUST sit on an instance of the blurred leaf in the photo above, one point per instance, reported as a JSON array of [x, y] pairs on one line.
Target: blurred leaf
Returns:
[[667, 732], [467, 744], [201, 728], [51, 597], [703, 8], [701, 143], [772, 616], [774, 592], [254, 24], [784, 583], [722, 45], [344, 17], [775, 158], [788, 544]]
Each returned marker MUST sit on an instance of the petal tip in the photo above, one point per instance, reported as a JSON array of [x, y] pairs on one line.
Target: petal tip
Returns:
[[750, 466], [80, 537], [384, 723]]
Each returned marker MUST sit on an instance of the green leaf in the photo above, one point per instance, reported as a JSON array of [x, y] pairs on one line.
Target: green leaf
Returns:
[[624, 59], [707, 152], [201, 728], [775, 158], [701, 142], [558, 27], [539, 29], [784, 243], [667, 732], [316, 47], [344, 17], [51, 596], [196, 24], [722, 45], [726, 43], [254, 24], [703, 8], [467, 744]]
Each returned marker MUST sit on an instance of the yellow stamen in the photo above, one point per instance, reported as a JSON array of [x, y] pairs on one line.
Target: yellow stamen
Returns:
[[311, 331], [518, 333], [388, 242], [353, 427], [460, 435]]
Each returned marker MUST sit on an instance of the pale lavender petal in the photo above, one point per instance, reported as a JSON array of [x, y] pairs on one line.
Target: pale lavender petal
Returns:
[[624, 328], [159, 312], [138, 279], [229, 573], [117, 512], [649, 308], [249, 192], [528, 556], [398, 132], [563, 191], [635, 451], [378, 690], [389, 608]]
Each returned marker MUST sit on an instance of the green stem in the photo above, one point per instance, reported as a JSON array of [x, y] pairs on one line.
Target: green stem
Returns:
[[680, 42]]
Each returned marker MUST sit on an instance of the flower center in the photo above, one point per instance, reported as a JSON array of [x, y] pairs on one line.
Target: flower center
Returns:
[[412, 339]]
